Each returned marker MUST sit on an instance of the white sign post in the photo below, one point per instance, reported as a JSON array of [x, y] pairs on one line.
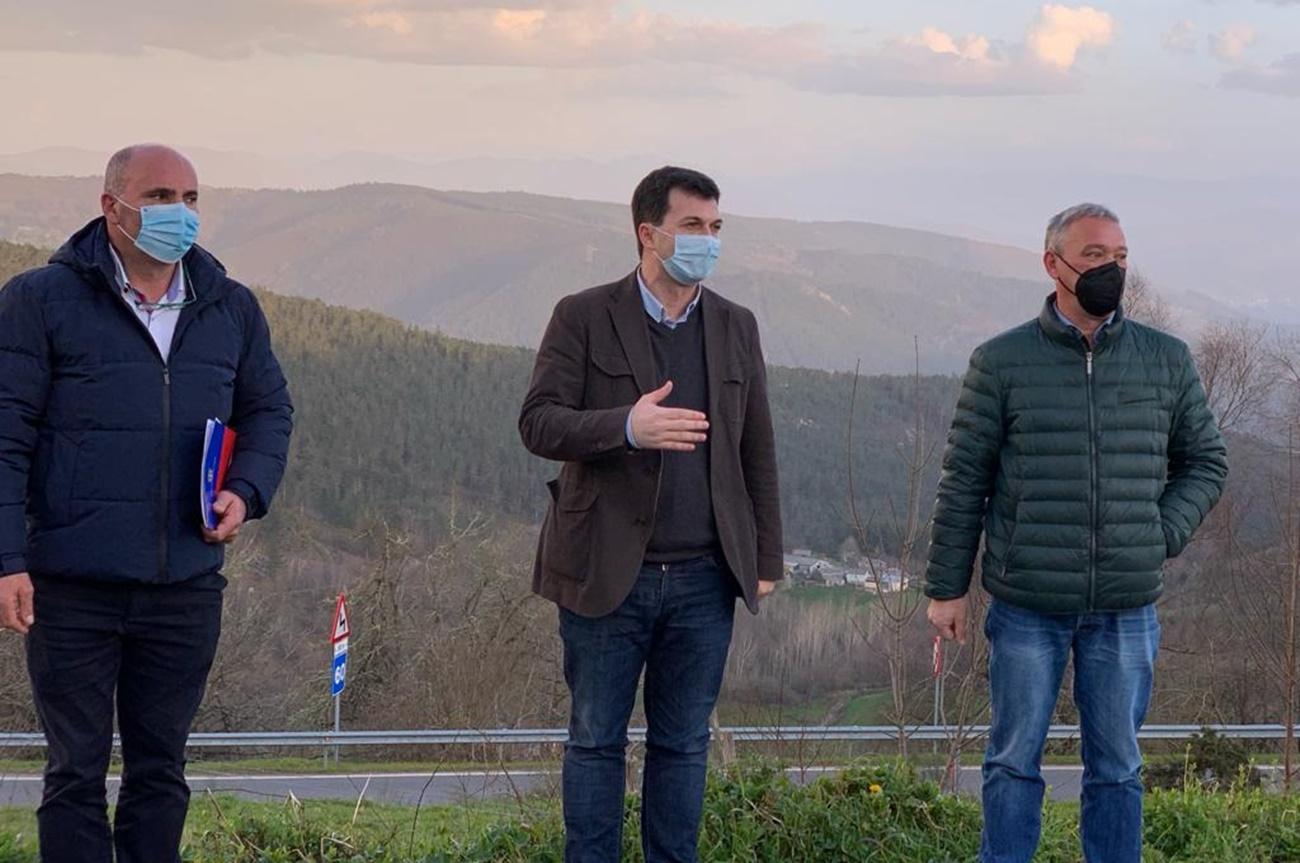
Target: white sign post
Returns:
[[340, 629], [937, 671]]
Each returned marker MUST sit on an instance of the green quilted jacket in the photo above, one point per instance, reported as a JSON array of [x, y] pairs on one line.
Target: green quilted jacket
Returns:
[[1084, 469]]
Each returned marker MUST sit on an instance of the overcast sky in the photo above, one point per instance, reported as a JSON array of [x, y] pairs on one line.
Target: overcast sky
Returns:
[[811, 106]]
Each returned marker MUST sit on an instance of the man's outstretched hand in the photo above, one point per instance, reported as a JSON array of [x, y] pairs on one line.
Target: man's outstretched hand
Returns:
[[658, 427]]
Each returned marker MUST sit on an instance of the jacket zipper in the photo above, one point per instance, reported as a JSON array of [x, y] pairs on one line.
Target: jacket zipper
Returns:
[[166, 460], [164, 485], [1093, 516]]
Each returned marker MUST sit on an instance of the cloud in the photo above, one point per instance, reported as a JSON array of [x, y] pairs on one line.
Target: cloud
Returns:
[[970, 48], [519, 23], [392, 21], [934, 63], [1181, 38], [568, 34], [1060, 32], [1229, 45], [1280, 78]]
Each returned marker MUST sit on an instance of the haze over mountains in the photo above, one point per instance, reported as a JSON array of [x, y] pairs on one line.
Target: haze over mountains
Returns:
[[1225, 237], [489, 267]]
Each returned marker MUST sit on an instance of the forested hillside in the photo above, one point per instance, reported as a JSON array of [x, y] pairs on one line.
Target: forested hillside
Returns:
[[402, 424]]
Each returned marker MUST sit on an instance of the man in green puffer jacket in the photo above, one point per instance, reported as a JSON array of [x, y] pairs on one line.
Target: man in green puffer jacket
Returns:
[[1084, 452]]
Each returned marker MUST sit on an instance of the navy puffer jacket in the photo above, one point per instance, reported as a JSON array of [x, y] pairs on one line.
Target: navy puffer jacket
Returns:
[[101, 440]]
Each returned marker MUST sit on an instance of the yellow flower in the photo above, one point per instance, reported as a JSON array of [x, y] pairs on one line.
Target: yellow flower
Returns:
[[874, 788]]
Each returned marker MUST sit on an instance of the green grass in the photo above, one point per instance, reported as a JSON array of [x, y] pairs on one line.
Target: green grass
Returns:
[[869, 708], [843, 597], [841, 708], [873, 812], [300, 765], [223, 828]]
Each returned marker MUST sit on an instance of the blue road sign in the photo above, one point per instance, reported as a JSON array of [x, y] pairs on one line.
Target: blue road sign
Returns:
[[339, 675]]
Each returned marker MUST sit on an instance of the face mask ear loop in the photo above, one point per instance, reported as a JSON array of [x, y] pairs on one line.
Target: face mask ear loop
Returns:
[[119, 224], [658, 256], [1062, 259]]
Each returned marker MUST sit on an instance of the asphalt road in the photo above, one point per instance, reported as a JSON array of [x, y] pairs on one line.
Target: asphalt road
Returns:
[[440, 788]]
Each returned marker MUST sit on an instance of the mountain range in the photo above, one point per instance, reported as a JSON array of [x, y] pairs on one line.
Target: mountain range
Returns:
[[489, 267]]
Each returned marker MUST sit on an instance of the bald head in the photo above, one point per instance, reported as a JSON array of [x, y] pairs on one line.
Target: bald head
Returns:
[[147, 159], [142, 176]]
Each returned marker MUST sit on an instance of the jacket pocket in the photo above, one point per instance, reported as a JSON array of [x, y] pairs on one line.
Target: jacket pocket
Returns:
[[577, 499], [1009, 552], [1174, 541], [53, 471], [118, 466], [569, 529], [611, 364], [732, 399], [1139, 395], [610, 382]]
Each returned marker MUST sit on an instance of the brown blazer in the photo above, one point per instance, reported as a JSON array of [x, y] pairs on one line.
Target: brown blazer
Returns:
[[594, 363]]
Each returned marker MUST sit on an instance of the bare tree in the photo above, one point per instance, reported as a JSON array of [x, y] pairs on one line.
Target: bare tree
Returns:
[[1236, 371], [1262, 557], [966, 667], [899, 600], [1144, 304], [1286, 361]]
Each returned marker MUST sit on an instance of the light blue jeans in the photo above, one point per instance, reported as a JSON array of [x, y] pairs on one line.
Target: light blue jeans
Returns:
[[1114, 657]]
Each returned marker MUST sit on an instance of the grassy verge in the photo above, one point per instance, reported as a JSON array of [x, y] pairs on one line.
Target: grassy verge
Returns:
[[294, 765], [824, 753], [879, 813], [842, 597]]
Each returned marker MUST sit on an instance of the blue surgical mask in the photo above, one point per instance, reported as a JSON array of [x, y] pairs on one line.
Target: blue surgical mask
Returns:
[[694, 257], [167, 231]]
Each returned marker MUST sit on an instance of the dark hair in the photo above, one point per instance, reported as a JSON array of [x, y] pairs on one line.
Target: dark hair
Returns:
[[650, 200]]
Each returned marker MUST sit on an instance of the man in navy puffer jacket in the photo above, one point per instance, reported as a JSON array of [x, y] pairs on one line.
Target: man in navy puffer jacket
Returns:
[[112, 359]]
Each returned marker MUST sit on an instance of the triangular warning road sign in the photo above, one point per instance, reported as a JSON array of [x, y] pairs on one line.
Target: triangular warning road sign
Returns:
[[340, 628]]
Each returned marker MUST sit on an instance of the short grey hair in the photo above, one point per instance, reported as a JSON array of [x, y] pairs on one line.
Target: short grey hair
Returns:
[[1061, 222], [115, 172]]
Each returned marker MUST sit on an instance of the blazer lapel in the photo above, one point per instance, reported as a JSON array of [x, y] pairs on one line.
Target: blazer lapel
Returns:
[[717, 334], [628, 314]]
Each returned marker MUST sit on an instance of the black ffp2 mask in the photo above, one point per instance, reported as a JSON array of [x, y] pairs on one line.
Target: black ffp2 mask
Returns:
[[1100, 289]]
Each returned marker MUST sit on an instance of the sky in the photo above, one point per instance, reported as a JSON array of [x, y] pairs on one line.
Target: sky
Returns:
[[936, 113]]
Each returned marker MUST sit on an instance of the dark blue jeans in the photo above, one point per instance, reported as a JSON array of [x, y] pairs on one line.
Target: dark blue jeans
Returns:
[[152, 647], [1114, 657], [676, 626]]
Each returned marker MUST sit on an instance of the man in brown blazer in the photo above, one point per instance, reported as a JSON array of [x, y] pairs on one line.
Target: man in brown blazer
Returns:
[[653, 392]]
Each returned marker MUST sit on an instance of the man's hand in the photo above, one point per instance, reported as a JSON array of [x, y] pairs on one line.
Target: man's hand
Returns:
[[16, 610], [656, 427], [949, 617], [766, 588], [231, 513]]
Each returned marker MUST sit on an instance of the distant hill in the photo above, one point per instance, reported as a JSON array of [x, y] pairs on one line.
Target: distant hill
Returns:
[[406, 425], [490, 266], [16, 257]]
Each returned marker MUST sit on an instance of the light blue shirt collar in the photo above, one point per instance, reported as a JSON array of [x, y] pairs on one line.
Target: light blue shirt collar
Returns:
[[1069, 323], [656, 310], [175, 291]]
